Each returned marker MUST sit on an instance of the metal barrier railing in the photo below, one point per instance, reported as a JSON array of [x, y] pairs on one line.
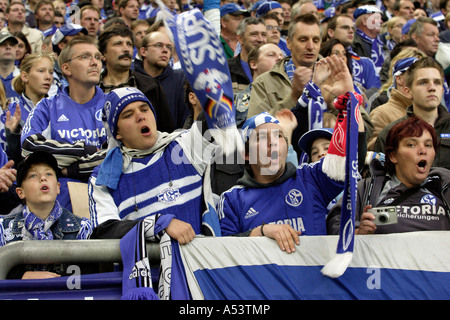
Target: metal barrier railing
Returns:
[[64, 251]]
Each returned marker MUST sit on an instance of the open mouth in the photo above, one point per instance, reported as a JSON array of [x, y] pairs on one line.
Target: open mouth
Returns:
[[422, 165], [145, 130], [45, 188], [274, 155]]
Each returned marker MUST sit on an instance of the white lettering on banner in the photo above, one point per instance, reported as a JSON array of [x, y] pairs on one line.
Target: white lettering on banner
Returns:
[[208, 43]]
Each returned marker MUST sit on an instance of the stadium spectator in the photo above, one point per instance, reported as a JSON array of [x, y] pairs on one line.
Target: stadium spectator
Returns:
[[281, 87], [156, 52], [33, 84], [367, 42], [15, 16], [407, 181], [250, 33], [231, 16], [299, 194], [69, 124], [129, 11], [90, 19], [274, 32], [173, 197], [41, 217], [396, 98], [260, 60], [394, 32], [8, 70], [341, 27], [139, 28], [61, 37], [405, 9], [58, 20], [44, 13], [286, 4], [425, 33], [23, 47], [116, 44], [424, 85]]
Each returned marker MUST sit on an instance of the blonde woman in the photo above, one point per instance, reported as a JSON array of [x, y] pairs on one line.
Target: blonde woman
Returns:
[[33, 83], [394, 31]]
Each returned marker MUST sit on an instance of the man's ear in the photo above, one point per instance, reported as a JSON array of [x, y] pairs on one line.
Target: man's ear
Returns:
[[407, 92], [330, 33], [65, 69]]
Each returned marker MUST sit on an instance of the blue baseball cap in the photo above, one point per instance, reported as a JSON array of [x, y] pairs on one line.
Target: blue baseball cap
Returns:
[[116, 101], [252, 123], [265, 7], [234, 9], [308, 138], [365, 9], [69, 29]]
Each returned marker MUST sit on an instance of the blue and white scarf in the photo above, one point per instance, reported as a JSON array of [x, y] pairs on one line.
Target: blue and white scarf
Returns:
[[203, 60], [36, 228], [344, 253], [137, 280], [377, 54], [289, 68]]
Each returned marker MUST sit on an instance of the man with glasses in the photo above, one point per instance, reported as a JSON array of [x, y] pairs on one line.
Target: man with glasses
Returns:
[[341, 27], [116, 44], [274, 28], [156, 51], [69, 124]]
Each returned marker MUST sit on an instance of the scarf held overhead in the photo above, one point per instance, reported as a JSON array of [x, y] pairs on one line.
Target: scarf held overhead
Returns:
[[203, 61]]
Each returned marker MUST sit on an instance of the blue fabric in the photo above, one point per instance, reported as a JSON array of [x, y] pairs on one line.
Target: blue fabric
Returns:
[[111, 169], [136, 277], [204, 63], [347, 227], [278, 282]]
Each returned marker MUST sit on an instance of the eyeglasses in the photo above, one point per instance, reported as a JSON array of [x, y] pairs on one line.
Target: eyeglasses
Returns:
[[278, 28], [87, 57], [160, 45], [347, 28]]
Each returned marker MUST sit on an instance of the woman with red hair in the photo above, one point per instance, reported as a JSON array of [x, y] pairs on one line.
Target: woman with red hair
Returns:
[[419, 193]]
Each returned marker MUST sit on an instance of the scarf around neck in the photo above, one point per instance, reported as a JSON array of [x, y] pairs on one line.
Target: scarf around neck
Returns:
[[36, 228], [119, 158], [377, 48]]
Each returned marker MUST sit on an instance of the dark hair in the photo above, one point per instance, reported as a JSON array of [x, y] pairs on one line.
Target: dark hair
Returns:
[[327, 47], [411, 127], [306, 18], [114, 30], [399, 47]]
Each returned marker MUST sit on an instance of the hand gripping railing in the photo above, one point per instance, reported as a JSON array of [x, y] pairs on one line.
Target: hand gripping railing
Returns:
[[64, 251]]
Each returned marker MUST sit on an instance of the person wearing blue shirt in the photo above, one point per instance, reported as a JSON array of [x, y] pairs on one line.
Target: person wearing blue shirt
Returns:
[[276, 199], [69, 124]]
